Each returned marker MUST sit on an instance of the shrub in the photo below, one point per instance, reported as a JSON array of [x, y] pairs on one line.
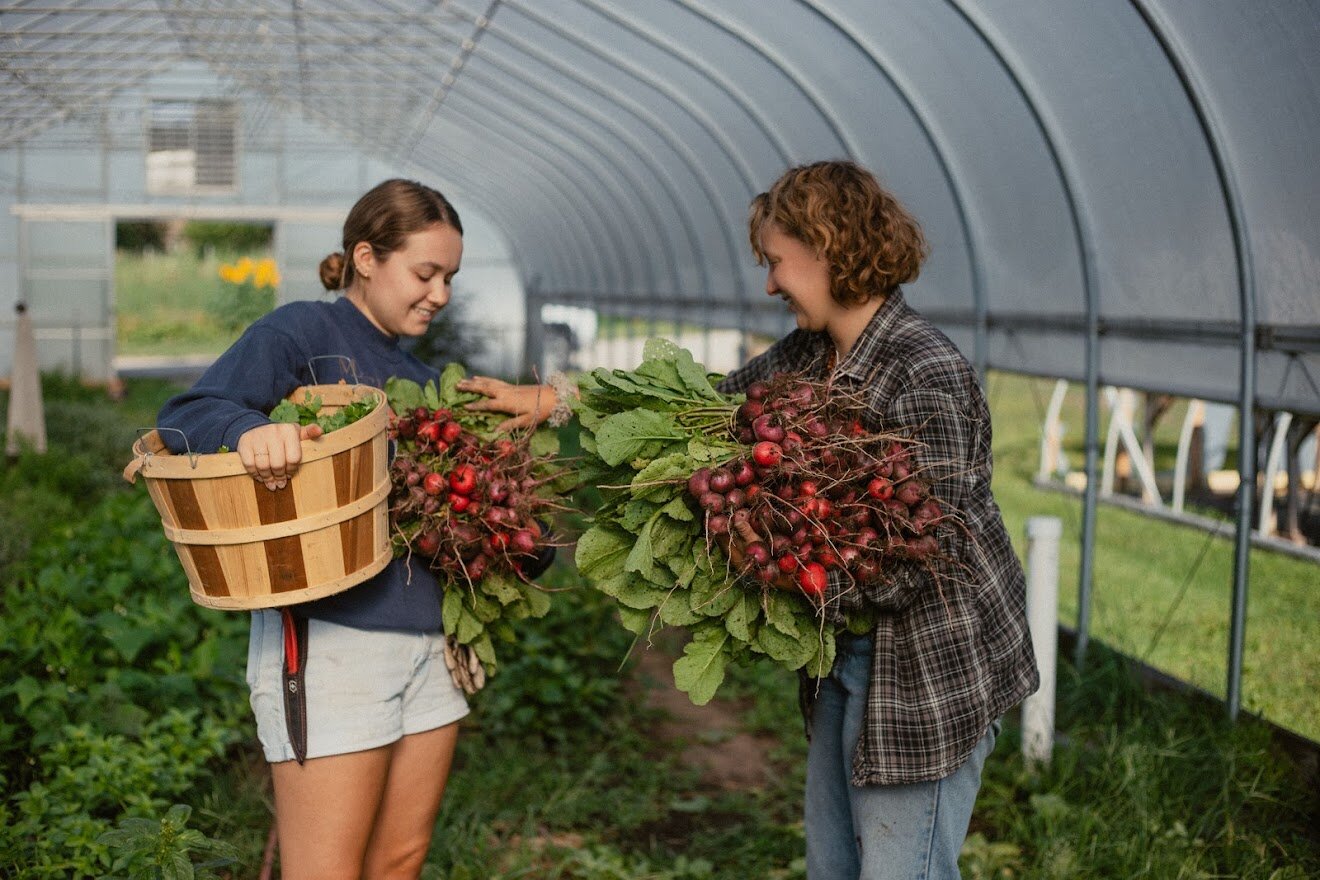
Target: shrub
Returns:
[[228, 237], [140, 235]]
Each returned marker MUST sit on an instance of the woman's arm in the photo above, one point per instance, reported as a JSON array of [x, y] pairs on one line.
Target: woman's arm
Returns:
[[530, 405], [229, 406]]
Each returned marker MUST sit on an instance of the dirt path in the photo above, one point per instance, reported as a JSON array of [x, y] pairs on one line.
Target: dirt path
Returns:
[[711, 736]]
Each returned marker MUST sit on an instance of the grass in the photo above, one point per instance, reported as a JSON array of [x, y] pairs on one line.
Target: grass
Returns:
[[1145, 786], [1161, 591], [162, 303]]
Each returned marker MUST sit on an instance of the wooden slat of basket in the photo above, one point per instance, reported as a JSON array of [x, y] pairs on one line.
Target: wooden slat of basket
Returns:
[[354, 478], [282, 528], [202, 564], [243, 570]]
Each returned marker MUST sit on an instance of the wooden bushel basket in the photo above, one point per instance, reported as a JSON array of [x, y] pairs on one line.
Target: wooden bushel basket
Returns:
[[244, 546]]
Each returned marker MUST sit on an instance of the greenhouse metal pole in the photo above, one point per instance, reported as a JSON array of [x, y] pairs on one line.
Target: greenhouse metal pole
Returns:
[[533, 332], [1228, 185], [940, 149], [1090, 291]]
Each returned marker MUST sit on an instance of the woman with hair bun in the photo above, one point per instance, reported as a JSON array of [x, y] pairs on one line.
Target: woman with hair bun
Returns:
[[361, 752]]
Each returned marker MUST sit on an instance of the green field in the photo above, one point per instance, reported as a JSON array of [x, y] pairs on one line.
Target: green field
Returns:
[[1161, 591], [164, 303]]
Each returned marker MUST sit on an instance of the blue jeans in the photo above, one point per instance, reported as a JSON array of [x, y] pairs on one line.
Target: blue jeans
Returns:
[[878, 832]]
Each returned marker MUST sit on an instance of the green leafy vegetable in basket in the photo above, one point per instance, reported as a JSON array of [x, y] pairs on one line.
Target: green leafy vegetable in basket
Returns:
[[308, 412]]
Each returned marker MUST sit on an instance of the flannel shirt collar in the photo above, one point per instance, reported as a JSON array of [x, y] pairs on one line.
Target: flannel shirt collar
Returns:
[[861, 360]]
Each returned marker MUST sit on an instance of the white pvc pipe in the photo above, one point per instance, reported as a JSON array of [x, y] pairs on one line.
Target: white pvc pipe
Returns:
[[1282, 422], [1051, 434], [1195, 416], [1043, 533]]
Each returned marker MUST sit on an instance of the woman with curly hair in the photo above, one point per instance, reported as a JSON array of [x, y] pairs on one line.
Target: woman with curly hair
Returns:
[[931, 654]]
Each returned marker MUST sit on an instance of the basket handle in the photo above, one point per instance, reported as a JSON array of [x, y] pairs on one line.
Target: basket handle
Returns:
[[347, 362], [152, 443]]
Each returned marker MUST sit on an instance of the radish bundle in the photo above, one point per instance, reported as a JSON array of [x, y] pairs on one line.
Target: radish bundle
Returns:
[[474, 506], [789, 470]]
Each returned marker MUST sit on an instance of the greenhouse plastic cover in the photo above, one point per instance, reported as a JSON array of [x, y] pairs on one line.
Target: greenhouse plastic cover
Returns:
[[1133, 179]]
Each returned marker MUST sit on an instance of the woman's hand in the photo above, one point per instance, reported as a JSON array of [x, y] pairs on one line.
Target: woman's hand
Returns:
[[272, 453], [740, 535], [530, 405]]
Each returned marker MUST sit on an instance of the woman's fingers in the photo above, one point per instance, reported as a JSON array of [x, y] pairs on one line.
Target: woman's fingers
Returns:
[[272, 453], [494, 393], [482, 385], [746, 533], [528, 404]]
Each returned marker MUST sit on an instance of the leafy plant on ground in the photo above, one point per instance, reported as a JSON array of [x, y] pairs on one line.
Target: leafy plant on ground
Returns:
[[119, 696], [150, 849]]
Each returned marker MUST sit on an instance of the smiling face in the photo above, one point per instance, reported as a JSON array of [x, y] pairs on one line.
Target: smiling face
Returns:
[[800, 276], [401, 293]]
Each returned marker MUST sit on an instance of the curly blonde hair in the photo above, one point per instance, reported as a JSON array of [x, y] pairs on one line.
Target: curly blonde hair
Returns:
[[869, 239]]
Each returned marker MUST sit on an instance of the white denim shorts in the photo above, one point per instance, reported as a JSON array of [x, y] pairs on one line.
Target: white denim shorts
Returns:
[[364, 688]]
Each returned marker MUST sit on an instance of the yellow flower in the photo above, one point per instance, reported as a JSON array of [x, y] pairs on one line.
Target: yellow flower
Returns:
[[266, 274], [232, 274]]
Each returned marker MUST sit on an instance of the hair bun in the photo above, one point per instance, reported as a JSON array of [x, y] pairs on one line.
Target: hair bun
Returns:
[[332, 271]]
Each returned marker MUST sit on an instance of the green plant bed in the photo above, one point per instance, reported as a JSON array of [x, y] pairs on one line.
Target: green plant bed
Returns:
[[122, 699], [1143, 785]]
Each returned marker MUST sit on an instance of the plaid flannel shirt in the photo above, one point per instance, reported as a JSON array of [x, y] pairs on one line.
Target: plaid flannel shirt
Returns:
[[952, 650]]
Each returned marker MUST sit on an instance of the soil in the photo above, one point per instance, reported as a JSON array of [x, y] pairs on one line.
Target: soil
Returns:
[[711, 736]]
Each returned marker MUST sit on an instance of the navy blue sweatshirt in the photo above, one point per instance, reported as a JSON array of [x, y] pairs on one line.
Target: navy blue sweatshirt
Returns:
[[304, 343]]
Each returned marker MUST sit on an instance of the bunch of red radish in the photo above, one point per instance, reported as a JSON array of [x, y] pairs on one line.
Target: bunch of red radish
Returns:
[[465, 505], [816, 491]]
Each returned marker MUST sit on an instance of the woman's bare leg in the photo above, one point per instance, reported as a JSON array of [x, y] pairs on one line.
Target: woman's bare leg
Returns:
[[418, 771], [325, 810], [365, 814]]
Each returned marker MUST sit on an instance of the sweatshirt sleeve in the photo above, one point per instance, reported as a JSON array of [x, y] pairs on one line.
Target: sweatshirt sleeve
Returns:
[[236, 393]]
